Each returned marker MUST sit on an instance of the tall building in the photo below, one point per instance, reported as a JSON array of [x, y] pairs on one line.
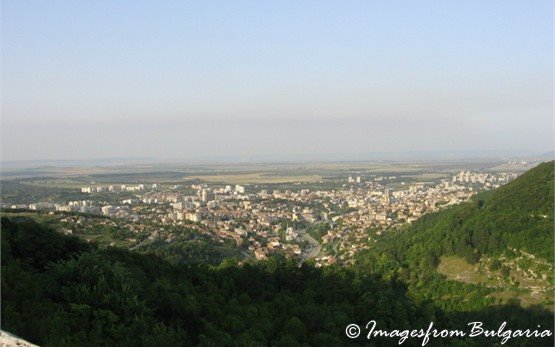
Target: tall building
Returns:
[[206, 196], [385, 197]]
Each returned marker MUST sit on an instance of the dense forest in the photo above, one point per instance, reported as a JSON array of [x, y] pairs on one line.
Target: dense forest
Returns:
[[60, 291], [187, 249]]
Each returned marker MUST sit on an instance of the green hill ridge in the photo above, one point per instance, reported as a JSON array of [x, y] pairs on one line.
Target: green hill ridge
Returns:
[[518, 215], [504, 232]]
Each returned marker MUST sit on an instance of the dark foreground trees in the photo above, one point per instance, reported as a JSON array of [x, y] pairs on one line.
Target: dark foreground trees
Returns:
[[58, 291]]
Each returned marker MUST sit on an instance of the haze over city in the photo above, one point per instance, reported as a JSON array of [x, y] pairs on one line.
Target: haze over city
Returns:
[[88, 80]]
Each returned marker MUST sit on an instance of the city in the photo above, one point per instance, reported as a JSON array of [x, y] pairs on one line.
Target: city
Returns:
[[329, 224]]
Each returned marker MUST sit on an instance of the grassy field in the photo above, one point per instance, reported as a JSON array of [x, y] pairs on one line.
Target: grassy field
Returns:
[[103, 240], [458, 269], [432, 175], [71, 183], [53, 221], [239, 173], [42, 218], [255, 178], [228, 178], [59, 183]]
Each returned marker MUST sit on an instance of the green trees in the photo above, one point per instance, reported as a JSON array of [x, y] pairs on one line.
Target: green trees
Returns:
[[318, 230], [84, 296], [518, 215], [60, 291]]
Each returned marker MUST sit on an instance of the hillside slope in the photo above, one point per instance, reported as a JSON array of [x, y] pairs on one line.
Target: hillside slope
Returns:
[[508, 233], [518, 215]]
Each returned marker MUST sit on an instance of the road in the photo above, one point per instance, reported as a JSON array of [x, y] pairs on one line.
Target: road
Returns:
[[247, 255], [144, 242], [312, 250]]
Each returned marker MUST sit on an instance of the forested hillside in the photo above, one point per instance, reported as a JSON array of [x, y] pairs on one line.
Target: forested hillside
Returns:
[[512, 225], [518, 215]]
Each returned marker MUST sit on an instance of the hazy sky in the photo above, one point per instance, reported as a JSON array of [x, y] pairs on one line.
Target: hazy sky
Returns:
[[182, 79]]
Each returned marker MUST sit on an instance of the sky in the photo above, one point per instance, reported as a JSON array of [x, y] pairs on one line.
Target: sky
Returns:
[[190, 79]]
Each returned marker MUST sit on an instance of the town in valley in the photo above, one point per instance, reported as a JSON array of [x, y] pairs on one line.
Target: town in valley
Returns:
[[324, 213]]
